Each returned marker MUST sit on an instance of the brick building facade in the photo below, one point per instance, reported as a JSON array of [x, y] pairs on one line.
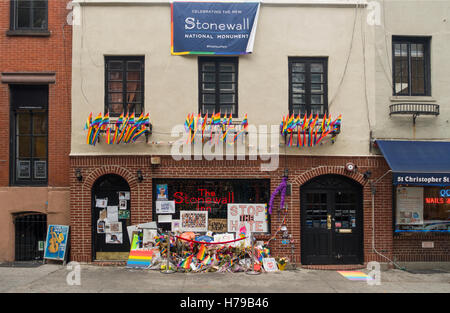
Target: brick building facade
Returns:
[[301, 170], [35, 56]]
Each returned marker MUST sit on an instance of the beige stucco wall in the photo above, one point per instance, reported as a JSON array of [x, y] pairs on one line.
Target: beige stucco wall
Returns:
[[52, 201], [414, 18], [171, 82]]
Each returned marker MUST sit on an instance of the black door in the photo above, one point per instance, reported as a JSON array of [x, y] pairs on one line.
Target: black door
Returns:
[[331, 221], [30, 232], [108, 187]]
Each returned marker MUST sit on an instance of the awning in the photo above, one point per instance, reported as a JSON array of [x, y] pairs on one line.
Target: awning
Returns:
[[425, 163]]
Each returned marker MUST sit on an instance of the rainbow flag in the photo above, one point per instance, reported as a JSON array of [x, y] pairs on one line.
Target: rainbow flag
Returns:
[[88, 122], [186, 263], [201, 252], [140, 258], [355, 275], [207, 260]]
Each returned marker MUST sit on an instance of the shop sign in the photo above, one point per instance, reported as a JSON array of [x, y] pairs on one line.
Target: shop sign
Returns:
[[410, 205], [252, 216], [421, 179], [205, 200], [213, 27]]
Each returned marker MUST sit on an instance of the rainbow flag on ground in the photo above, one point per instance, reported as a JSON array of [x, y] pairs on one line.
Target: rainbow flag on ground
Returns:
[[140, 258], [355, 275]]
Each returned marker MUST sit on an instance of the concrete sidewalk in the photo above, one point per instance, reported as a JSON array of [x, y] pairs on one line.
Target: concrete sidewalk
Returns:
[[98, 279]]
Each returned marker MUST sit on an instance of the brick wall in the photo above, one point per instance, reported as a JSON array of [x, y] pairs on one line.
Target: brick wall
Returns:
[[301, 169], [408, 247], [40, 54]]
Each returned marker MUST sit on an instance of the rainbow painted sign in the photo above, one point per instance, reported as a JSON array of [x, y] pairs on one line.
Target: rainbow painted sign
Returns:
[[220, 28]]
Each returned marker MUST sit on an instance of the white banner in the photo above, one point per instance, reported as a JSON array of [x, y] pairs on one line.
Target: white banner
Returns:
[[252, 216]]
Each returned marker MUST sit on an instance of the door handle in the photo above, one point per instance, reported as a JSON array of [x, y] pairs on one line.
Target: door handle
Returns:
[[329, 221]]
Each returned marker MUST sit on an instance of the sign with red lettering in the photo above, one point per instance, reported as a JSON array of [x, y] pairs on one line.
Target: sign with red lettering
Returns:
[[252, 216]]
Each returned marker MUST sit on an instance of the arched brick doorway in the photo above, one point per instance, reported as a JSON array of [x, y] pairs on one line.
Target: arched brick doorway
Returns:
[[109, 231], [331, 218]]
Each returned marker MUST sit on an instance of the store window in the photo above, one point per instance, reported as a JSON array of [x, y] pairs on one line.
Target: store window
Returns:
[[422, 209], [124, 85], [29, 15], [211, 196], [29, 134], [308, 86], [411, 66], [218, 86]]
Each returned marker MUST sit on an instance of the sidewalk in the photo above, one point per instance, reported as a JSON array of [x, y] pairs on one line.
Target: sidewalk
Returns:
[[98, 279]]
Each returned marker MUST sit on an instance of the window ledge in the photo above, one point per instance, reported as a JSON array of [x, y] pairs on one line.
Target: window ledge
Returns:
[[30, 33], [412, 99]]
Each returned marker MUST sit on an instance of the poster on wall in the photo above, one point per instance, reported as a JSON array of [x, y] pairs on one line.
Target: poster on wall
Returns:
[[194, 221], [221, 28], [409, 206], [114, 238], [252, 216], [165, 207], [124, 195], [161, 192], [218, 225], [112, 213], [56, 242]]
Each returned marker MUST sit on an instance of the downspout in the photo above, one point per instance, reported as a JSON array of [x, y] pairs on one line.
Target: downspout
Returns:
[[373, 191]]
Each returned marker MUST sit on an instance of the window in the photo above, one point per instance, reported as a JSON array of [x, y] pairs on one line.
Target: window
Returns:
[[422, 209], [29, 14], [124, 85], [308, 90], [411, 63], [210, 195], [29, 131], [218, 79]]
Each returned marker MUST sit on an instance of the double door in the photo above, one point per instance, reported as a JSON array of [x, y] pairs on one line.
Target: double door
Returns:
[[331, 222]]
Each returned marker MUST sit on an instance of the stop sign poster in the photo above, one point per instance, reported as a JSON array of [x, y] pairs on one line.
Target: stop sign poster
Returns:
[[252, 216]]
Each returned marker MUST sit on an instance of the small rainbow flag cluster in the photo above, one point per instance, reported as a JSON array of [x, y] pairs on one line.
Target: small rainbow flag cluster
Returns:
[[310, 131], [126, 128], [196, 124]]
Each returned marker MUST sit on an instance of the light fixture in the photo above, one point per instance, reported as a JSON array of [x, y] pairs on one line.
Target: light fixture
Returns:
[[367, 174], [350, 167], [140, 177], [78, 174]]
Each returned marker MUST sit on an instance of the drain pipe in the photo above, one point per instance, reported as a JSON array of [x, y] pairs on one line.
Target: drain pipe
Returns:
[[373, 191]]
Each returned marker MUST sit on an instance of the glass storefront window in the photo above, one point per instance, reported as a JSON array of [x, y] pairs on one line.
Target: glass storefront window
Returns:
[[422, 209], [209, 195]]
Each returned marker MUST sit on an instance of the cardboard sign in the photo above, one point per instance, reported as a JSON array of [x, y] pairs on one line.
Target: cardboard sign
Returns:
[[165, 207], [218, 225], [252, 216], [270, 265]]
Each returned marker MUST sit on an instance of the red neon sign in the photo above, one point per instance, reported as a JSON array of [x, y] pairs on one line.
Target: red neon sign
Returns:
[[206, 198], [437, 200]]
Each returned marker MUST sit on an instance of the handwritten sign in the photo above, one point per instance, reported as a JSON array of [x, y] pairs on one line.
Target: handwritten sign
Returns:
[[217, 225], [252, 216]]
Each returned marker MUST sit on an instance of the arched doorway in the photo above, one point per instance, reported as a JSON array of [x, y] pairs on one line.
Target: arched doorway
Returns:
[[331, 221], [110, 219]]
